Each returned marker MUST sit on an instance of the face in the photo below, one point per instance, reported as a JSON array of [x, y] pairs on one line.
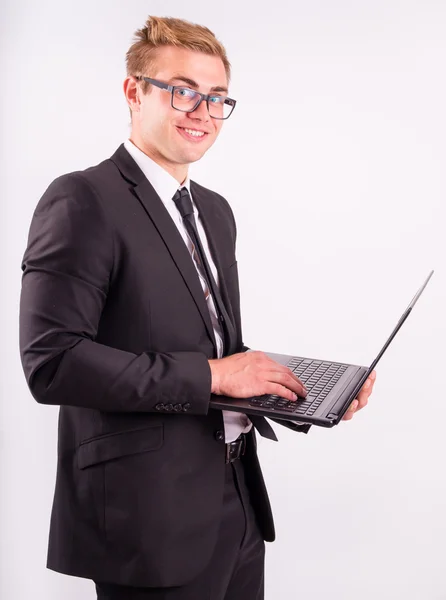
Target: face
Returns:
[[160, 130]]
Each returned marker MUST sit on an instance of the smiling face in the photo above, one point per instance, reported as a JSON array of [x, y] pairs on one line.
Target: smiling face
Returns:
[[170, 137]]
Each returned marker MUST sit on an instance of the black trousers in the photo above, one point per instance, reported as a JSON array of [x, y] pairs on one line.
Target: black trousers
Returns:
[[236, 569]]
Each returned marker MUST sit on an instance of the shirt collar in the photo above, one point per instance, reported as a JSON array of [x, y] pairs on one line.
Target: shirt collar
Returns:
[[164, 184]]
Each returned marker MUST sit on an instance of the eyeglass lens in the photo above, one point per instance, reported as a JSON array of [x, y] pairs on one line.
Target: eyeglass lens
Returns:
[[186, 100]]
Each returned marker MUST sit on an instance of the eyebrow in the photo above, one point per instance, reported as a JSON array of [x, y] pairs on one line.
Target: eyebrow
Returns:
[[194, 84]]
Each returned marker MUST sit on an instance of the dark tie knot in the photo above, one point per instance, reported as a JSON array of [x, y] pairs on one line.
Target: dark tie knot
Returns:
[[183, 202]]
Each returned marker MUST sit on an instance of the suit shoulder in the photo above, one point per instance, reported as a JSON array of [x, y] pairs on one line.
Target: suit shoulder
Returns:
[[83, 187]]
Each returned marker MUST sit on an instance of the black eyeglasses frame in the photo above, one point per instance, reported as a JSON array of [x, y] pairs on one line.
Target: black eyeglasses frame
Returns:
[[171, 88]]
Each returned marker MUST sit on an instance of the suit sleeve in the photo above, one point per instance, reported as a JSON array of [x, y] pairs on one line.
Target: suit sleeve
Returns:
[[67, 269]]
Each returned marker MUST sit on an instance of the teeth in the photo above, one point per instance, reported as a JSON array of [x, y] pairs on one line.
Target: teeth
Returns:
[[195, 133]]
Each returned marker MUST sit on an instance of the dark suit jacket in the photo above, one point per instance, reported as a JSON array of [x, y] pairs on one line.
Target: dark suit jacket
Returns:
[[115, 329]]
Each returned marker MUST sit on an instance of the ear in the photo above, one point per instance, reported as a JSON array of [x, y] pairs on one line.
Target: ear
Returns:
[[131, 92]]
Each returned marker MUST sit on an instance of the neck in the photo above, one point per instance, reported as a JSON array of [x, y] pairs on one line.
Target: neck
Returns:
[[179, 172]]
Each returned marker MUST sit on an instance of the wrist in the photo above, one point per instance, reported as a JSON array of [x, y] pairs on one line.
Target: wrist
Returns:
[[215, 376]]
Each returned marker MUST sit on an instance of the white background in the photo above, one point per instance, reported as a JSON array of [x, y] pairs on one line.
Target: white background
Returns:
[[334, 164]]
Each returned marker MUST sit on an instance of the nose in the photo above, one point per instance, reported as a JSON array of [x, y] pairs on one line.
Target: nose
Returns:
[[201, 113]]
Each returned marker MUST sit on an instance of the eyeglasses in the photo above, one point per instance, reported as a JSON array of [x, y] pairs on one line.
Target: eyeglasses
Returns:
[[187, 100]]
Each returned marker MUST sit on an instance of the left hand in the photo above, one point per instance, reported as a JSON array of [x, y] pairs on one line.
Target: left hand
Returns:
[[362, 398]]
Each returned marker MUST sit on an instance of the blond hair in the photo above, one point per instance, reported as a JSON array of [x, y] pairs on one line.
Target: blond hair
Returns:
[[167, 31]]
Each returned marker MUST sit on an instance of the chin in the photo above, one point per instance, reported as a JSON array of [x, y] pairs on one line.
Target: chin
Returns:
[[191, 157]]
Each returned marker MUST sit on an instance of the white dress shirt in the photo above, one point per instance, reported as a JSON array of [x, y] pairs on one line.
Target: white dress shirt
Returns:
[[165, 185]]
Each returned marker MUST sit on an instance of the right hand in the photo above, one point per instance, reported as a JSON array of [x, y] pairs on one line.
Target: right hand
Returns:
[[247, 374]]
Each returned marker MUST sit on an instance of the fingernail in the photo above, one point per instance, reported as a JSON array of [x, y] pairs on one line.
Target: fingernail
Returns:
[[367, 384], [294, 396], [354, 405]]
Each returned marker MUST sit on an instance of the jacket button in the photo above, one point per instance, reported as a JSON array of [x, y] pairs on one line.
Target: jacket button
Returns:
[[178, 407], [186, 406], [169, 407], [219, 435], [159, 407]]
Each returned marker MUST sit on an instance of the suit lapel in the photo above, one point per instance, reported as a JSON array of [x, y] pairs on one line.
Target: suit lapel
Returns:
[[167, 229]]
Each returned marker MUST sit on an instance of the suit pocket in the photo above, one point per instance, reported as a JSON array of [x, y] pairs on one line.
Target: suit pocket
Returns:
[[116, 445]]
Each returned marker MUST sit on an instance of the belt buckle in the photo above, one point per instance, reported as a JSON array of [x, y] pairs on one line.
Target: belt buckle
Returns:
[[241, 447]]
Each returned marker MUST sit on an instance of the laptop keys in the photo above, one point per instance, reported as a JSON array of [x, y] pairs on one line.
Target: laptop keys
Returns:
[[320, 377]]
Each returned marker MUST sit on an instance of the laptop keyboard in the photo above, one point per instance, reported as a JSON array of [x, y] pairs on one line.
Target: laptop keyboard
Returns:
[[319, 377]]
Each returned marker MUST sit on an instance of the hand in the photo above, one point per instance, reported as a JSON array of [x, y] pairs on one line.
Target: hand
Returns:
[[249, 374], [362, 398]]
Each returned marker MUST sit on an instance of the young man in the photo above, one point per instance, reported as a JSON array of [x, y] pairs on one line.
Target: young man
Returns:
[[130, 319]]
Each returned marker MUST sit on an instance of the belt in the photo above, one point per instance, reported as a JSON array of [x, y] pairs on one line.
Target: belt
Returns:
[[235, 449]]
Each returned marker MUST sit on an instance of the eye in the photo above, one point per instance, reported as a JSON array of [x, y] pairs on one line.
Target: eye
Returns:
[[216, 99], [184, 93]]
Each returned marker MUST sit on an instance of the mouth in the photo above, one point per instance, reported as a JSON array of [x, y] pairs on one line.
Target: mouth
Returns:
[[194, 135]]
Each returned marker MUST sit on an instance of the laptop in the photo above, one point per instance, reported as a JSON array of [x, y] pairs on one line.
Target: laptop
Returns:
[[332, 386]]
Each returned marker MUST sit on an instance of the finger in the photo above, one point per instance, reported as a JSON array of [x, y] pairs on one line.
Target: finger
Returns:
[[280, 390], [366, 390], [283, 369], [365, 393], [295, 378], [362, 402], [287, 381], [361, 399], [351, 411], [368, 385]]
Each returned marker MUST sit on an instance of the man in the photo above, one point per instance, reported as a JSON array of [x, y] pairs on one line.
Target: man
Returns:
[[130, 319]]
